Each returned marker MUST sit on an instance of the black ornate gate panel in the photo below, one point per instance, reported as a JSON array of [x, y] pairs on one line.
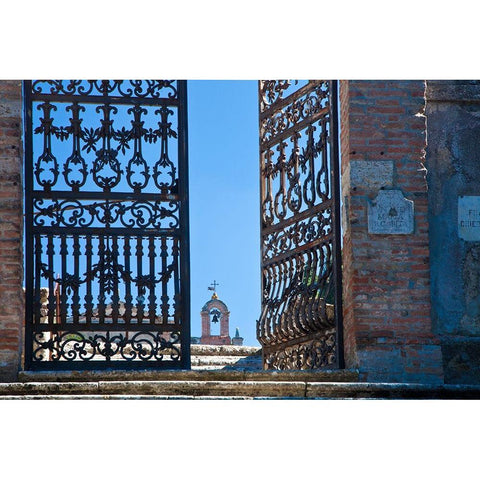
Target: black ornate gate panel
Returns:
[[300, 322], [107, 252]]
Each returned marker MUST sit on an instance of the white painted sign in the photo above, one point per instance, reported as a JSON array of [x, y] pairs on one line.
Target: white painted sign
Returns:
[[469, 218]]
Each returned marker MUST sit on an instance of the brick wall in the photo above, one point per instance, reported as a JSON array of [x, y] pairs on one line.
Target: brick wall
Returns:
[[11, 229], [387, 324]]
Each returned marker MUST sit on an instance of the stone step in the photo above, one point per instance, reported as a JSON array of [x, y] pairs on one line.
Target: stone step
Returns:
[[229, 362], [124, 397], [216, 357], [225, 350], [191, 389], [223, 361], [203, 374], [209, 367]]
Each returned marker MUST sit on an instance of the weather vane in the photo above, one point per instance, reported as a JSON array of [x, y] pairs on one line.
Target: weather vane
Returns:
[[215, 285]]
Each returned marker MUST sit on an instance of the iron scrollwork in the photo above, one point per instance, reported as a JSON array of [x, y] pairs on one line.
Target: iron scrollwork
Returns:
[[107, 144], [300, 230], [317, 353], [142, 89], [131, 346], [105, 223], [126, 213]]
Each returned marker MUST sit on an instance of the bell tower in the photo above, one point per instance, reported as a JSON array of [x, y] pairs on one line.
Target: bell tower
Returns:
[[215, 312]]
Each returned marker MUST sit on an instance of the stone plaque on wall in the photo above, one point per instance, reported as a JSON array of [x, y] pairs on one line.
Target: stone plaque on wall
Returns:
[[469, 218], [371, 174], [390, 213]]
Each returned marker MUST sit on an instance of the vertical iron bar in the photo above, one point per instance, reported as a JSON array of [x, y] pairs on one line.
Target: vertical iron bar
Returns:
[[52, 308], [63, 289], [101, 276], [184, 223], [263, 277], [140, 288], [76, 274], [37, 278], [337, 252], [151, 297], [164, 297], [128, 286], [88, 270], [176, 282], [115, 294], [28, 179]]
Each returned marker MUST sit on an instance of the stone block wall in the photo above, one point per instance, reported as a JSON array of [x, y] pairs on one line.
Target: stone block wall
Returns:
[[11, 229], [453, 164], [387, 324]]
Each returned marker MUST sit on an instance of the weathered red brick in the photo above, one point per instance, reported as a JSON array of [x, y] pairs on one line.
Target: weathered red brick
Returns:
[[386, 277], [11, 221]]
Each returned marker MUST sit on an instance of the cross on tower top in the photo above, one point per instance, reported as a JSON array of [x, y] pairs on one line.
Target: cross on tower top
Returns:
[[214, 288]]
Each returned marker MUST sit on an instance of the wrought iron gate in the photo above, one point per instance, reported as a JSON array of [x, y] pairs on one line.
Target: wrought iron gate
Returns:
[[300, 323], [107, 240]]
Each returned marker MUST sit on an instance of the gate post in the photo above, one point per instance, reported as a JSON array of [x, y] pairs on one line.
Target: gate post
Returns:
[[386, 285], [11, 230]]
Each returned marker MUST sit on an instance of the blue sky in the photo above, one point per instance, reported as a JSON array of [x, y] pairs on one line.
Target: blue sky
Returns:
[[224, 200]]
